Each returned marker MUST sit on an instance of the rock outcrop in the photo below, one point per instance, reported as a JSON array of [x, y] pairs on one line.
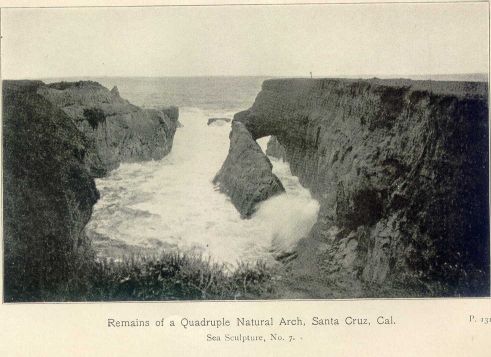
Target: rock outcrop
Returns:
[[246, 175], [48, 192], [120, 131], [218, 121], [400, 168], [275, 149], [56, 139]]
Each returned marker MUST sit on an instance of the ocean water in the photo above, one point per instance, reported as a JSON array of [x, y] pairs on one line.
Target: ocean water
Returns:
[[172, 204], [212, 94]]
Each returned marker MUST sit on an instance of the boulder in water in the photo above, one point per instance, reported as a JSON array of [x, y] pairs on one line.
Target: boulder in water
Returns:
[[218, 121], [246, 175]]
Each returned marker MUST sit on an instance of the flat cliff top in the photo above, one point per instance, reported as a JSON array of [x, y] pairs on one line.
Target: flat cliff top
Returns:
[[451, 88]]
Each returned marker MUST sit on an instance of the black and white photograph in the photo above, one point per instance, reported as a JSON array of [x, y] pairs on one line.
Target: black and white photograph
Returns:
[[245, 152]]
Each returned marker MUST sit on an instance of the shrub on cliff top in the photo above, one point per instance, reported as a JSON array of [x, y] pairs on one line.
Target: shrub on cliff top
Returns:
[[94, 116]]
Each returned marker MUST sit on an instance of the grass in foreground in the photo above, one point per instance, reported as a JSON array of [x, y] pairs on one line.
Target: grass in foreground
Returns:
[[168, 276]]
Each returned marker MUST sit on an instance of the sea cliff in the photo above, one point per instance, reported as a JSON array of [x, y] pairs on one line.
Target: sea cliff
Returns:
[[400, 168], [57, 138], [120, 131]]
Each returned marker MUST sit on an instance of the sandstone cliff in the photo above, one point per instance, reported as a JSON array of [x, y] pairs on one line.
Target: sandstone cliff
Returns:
[[48, 192], [400, 169], [246, 175], [56, 139], [120, 131]]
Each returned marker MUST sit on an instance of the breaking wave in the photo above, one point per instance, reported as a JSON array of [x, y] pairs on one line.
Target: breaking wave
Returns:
[[172, 203]]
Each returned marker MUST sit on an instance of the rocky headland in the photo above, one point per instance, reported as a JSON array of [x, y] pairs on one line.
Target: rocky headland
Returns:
[[57, 138], [400, 169], [120, 131]]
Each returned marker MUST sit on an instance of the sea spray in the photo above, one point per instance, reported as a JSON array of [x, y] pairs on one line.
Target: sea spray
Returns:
[[172, 204], [290, 218]]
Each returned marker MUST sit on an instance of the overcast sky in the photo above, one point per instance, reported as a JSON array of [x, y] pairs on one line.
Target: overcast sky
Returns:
[[328, 40]]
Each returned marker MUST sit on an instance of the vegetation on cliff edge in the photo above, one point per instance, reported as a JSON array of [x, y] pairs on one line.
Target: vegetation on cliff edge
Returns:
[[167, 276]]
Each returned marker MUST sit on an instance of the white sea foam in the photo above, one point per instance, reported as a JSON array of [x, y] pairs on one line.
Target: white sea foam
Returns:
[[172, 203]]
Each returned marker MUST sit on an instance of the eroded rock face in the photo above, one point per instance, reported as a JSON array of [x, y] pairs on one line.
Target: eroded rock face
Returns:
[[48, 192], [400, 169], [120, 131], [246, 175], [57, 138]]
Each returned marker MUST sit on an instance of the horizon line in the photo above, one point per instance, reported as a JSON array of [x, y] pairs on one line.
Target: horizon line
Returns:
[[375, 75]]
